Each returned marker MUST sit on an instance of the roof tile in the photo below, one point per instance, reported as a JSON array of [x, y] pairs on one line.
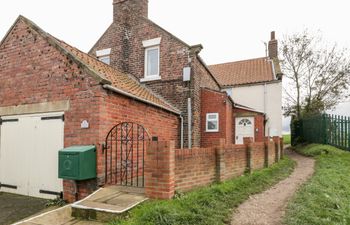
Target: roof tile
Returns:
[[243, 72]]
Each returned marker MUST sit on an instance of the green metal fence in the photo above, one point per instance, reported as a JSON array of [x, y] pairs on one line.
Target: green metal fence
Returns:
[[327, 129]]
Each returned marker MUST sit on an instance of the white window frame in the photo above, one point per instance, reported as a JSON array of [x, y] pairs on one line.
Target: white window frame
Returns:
[[148, 77], [207, 120], [103, 54], [151, 45]]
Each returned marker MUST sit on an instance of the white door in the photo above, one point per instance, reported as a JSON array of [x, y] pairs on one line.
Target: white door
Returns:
[[29, 154], [244, 128]]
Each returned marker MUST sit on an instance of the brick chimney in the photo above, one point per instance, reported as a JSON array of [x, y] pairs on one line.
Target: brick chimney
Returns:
[[273, 46], [122, 8]]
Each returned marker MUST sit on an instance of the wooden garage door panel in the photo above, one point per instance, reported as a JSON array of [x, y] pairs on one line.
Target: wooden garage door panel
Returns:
[[13, 165], [29, 152]]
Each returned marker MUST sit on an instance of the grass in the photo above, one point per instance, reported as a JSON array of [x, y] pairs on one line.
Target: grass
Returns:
[[210, 205], [286, 139], [325, 198]]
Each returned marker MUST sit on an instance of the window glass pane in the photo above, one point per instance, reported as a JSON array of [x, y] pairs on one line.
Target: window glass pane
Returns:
[[152, 64], [212, 117], [212, 125], [105, 59], [245, 122]]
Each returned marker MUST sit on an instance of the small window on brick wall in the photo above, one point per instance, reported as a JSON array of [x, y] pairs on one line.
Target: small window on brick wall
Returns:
[[104, 55], [212, 122], [152, 62], [152, 59]]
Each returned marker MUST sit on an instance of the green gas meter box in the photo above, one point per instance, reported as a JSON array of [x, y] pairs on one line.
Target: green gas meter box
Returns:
[[77, 163]]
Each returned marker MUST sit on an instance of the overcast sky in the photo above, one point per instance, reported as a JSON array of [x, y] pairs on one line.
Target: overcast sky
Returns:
[[228, 29]]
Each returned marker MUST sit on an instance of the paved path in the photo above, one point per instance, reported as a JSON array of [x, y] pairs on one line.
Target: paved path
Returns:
[[16, 207], [268, 208]]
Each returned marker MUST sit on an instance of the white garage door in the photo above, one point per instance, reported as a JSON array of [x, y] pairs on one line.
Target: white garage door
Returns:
[[29, 154], [244, 128]]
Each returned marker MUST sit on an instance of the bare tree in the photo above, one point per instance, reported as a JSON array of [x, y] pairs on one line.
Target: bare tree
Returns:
[[318, 76]]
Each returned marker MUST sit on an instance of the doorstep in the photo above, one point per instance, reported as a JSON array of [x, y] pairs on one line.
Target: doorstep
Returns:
[[60, 216], [108, 203]]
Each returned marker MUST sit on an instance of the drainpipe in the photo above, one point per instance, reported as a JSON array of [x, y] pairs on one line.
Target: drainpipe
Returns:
[[182, 132], [189, 111], [265, 104]]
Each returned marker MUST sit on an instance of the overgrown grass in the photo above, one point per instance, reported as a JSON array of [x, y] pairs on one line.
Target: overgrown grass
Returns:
[[286, 139], [210, 205], [325, 198]]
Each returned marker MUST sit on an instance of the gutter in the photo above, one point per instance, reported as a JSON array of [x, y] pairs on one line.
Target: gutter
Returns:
[[117, 90]]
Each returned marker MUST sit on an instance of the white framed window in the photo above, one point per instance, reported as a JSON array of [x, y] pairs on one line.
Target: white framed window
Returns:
[[105, 59], [152, 62], [152, 59], [104, 55], [212, 122]]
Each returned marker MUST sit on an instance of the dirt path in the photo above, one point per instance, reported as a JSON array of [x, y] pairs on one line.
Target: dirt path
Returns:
[[268, 208]]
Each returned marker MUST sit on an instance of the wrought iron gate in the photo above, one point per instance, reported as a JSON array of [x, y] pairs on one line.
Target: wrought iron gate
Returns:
[[124, 153]]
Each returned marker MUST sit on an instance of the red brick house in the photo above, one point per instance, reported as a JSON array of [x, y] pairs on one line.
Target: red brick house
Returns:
[[53, 96], [155, 87], [173, 69], [170, 67]]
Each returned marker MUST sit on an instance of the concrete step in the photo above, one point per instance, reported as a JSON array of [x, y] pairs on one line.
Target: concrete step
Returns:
[[60, 216], [108, 203]]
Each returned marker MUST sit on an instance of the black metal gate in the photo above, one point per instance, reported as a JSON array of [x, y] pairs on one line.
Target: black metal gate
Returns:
[[124, 153]]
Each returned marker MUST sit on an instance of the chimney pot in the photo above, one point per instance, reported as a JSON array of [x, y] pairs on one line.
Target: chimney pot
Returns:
[[273, 36]]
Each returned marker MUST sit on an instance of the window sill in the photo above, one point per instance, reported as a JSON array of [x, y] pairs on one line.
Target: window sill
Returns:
[[150, 78], [212, 131]]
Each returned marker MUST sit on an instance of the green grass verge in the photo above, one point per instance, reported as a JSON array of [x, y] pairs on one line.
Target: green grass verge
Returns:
[[286, 139], [210, 205], [325, 198]]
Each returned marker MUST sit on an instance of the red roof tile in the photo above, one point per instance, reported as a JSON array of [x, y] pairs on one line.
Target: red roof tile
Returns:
[[244, 72], [106, 74]]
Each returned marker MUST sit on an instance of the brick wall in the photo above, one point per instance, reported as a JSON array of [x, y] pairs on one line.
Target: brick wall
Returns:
[[32, 71], [190, 173], [235, 160], [125, 35], [258, 155], [216, 102], [191, 168]]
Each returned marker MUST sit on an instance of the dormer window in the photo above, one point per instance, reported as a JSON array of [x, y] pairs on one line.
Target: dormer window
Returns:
[[104, 55], [152, 59]]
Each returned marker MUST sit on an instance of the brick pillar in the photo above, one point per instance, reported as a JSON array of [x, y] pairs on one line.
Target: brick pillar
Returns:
[[266, 146], [70, 191], [248, 143], [160, 170], [282, 147], [276, 140], [220, 161]]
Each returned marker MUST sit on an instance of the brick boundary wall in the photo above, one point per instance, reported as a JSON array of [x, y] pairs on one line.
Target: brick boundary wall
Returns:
[[168, 169]]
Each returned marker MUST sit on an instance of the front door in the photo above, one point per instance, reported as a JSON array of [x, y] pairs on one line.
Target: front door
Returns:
[[244, 128]]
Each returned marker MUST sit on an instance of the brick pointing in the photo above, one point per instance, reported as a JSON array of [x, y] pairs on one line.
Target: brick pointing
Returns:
[[194, 167], [32, 71], [130, 27], [216, 102], [185, 169]]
